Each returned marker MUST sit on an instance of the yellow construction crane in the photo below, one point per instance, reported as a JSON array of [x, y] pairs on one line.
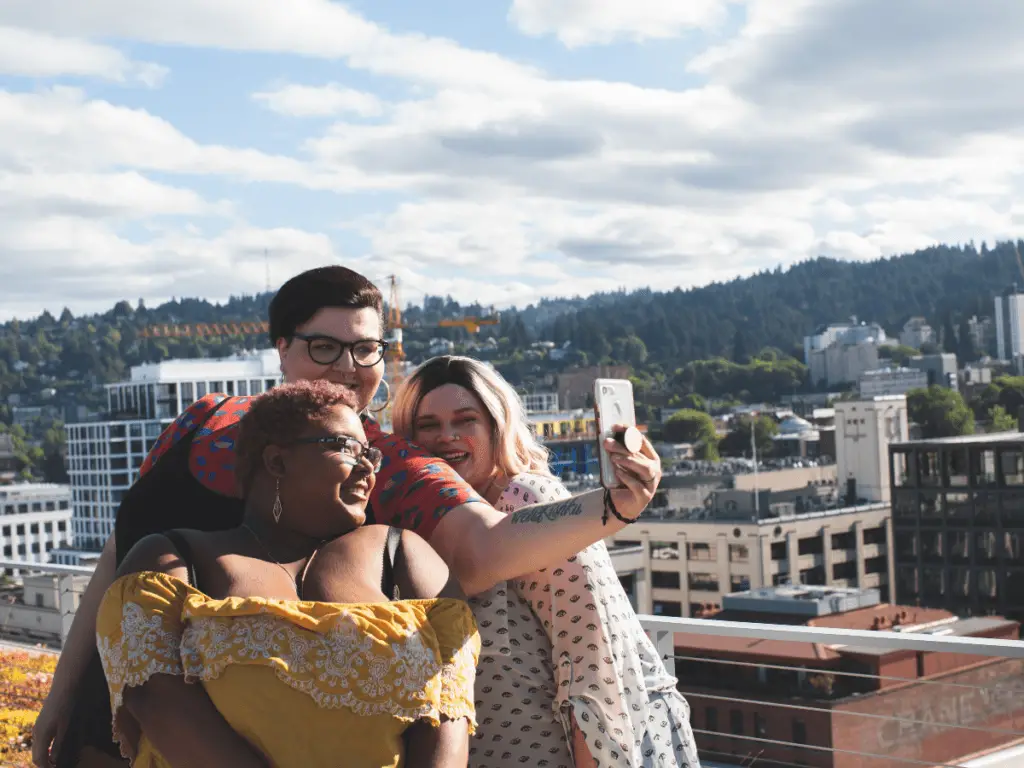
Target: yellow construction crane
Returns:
[[470, 323], [175, 331]]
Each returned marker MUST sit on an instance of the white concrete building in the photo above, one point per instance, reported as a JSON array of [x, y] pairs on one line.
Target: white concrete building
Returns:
[[843, 334], [1009, 309], [163, 390], [104, 456], [684, 568], [37, 611], [842, 363], [916, 332], [891, 381], [864, 430], [35, 520], [540, 402]]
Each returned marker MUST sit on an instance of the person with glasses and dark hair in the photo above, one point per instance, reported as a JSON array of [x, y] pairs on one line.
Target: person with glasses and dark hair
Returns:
[[300, 637], [326, 323]]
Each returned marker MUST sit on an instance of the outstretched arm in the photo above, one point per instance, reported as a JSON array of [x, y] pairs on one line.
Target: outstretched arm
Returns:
[[178, 718], [483, 546]]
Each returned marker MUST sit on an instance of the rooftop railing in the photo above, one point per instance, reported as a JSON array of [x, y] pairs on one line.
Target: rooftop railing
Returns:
[[784, 696]]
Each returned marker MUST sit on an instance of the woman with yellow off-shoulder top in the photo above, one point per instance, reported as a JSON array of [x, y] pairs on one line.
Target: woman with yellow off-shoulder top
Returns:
[[301, 637]]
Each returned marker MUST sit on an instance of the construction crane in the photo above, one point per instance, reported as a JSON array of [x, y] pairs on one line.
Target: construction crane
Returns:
[[176, 331], [395, 370], [470, 323]]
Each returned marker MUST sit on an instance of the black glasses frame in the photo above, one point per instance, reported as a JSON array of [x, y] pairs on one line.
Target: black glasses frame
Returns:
[[343, 346], [371, 454]]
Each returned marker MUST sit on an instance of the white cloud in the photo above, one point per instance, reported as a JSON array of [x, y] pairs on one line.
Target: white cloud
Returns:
[[806, 134], [38, 54], [319, 28], [579, 23], [319, 101]]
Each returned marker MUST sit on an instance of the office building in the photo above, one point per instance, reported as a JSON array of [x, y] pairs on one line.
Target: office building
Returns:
[[864, 430], [35, 521], [800, 703], [958, 523], [687, 567], [1009, 313], [105, 455], [916, 333], [941, 369], [842, 364], [540, 402], [571, 437], [891, 381]]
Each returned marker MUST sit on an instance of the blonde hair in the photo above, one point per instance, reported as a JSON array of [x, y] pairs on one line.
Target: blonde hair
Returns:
[[516, 449]]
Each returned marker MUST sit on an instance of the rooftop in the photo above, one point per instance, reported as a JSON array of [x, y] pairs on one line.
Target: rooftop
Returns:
[[801, 600], [997, 438]]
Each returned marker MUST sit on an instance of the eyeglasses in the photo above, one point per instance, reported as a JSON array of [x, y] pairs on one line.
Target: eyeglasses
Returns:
[[325, 350], [348, 447]]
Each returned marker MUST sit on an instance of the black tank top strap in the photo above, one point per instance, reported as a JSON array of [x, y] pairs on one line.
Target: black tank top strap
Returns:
[[392, 548], [185, 550]]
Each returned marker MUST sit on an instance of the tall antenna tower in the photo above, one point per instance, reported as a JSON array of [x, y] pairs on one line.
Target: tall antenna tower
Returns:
[[266, 267]]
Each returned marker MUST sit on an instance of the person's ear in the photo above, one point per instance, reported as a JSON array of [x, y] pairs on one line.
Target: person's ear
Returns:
[[274, 461]]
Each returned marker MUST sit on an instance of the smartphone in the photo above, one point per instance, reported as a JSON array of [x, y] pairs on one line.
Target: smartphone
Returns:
[[613, 404]]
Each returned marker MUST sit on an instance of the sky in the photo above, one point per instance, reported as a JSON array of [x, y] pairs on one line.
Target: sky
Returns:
[[496, 151]]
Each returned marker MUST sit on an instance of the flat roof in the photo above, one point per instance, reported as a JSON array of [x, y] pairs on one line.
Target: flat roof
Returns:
[[992, 438]]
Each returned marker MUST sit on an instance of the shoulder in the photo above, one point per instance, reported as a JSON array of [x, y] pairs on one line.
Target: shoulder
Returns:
[[529, 488], [154, 553]]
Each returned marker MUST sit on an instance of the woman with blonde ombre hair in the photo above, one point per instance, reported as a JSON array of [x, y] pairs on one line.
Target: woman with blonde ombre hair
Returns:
[[566, 672]]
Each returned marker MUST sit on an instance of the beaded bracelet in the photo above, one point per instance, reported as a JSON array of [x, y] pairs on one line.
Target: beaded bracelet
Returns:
[[609, 506]]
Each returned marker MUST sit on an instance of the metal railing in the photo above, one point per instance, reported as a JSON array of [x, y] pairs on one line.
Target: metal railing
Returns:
[[783, 696]]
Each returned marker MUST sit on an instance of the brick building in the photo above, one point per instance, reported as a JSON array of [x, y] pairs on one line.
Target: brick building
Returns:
[[808, 696]]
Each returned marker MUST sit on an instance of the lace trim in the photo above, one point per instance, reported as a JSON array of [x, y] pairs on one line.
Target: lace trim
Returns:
[[145, 648], [344, 666]]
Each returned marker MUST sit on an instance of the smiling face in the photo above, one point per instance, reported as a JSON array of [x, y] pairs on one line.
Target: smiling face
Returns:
[[453, 424], [328, 486], [327, 326]]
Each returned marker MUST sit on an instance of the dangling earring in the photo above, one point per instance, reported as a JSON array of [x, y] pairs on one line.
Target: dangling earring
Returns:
[[387, 400], [278, 509]]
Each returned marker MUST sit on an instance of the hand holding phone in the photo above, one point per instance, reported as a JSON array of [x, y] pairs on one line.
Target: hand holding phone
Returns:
[[613, 407]]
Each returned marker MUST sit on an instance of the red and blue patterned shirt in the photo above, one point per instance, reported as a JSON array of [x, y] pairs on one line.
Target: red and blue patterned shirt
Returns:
[[414, 490]]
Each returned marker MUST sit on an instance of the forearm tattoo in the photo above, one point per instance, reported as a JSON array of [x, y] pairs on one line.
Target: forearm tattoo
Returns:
[[548, 512]]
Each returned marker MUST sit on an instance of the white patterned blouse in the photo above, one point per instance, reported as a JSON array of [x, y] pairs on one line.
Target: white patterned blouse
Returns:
[[565, 641]]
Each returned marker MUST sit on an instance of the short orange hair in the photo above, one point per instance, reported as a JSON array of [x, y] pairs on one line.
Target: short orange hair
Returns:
[[278, 417]]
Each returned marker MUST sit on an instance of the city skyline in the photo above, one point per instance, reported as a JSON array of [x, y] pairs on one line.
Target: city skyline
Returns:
[[505, 152]]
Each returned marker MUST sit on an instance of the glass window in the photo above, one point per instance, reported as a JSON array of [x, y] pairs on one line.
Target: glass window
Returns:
[[957, 467], [931, 469], [739, 553], [665, 579], [931, 546], [699, 550], [664, 550], [704, 582], [930, 511], [902, 467], [667, 608], [983, 468], [1013, 548], [907, 545], [958, 508], [1011, 462], [959, 546], [986, 585], [985, 546]]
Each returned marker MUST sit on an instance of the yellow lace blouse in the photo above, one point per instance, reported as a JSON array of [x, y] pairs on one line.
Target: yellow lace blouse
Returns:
[[308, 683]]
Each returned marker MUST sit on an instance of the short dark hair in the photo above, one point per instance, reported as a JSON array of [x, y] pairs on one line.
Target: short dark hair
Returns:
[[308, 292], [278, 417]]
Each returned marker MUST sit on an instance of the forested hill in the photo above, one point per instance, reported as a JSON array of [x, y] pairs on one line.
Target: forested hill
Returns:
[[945, 284]]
